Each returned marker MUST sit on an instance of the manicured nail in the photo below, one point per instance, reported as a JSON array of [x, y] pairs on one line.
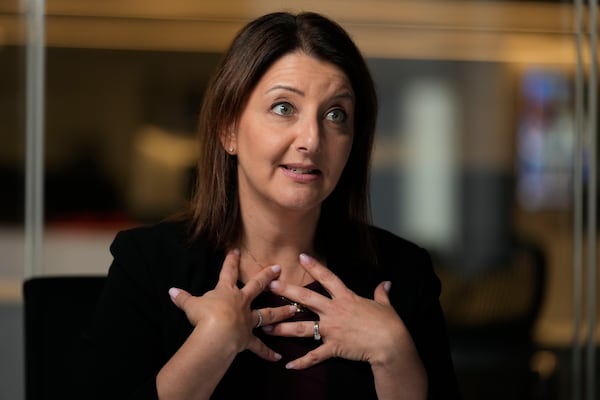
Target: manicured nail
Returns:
[[304, 258], [386, 286], [276, 268], [267, 328], [293, 309], [277, 356], [236, 252], [274, 285], [173, 292], [289, 365]]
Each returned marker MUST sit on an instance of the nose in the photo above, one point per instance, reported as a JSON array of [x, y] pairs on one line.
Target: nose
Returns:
[[308, 139]]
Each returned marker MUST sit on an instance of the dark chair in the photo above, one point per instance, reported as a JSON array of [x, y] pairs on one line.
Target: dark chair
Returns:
[[56, 309], [491, 313]]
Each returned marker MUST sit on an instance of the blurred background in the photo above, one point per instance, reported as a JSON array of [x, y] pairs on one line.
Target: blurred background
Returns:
[[475, 158]]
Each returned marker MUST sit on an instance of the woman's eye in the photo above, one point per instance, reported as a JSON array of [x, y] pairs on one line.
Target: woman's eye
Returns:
[[336, 115], [283, 108]]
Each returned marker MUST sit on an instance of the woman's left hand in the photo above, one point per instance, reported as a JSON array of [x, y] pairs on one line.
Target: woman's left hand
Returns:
[[351, 327]]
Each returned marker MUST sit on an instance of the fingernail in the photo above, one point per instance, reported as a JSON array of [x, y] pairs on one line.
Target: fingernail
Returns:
[[236, 252], [277, 356], [293, 309], [274, 285], [304, 258], [289, 365], [386, 286], [173, 292], [267, 328], [276, 268]]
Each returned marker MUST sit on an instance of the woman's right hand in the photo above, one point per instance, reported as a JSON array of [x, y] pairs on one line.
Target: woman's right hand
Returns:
[[223, 314], [223, 326]]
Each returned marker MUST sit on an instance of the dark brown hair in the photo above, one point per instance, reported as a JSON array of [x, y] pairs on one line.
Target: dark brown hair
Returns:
[[215, 205]]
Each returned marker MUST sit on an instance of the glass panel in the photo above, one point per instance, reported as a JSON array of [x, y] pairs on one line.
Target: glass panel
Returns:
[[121, 147], [12, 198], [473, 159]]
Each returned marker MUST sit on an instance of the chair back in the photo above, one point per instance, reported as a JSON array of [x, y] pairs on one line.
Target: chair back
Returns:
[[491, 314], [56, 311]]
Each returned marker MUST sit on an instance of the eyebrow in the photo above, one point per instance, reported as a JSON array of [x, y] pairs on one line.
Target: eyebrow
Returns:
[[342, 95], [284, 87]]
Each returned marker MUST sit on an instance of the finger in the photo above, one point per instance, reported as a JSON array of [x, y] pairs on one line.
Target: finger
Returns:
[[260, 349], [230, 270], [311, 358], [179, 297], [301, 295], [319, 272], [272, 315], [259, 282], [305, 329], [381, 293]]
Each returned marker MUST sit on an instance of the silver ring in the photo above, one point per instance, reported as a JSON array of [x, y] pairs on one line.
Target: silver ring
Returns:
[[260, 319], [316, 334]]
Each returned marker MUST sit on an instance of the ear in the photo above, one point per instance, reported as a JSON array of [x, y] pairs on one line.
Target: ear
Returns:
[[228, 141]]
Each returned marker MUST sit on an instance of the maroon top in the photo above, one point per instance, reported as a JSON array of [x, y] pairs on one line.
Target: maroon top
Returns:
[[294, 384]]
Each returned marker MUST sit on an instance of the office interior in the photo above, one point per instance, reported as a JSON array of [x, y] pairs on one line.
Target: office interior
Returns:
[[484, 154]]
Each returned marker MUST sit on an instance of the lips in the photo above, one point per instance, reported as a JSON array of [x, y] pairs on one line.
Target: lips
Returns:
[[299, 170], [302, 173]]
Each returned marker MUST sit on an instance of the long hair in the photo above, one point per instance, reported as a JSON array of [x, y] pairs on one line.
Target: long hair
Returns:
[[215, 204]]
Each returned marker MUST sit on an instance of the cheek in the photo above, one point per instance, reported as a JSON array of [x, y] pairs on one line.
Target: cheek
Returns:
[[346, 148], [341, 154]]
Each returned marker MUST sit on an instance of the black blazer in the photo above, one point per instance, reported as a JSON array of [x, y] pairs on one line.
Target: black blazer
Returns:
[[137, 328]]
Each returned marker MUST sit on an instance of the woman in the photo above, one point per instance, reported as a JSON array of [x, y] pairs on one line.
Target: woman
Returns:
[[275, 285]]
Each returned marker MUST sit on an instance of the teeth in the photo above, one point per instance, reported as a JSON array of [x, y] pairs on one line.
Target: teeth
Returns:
[[301, 170]]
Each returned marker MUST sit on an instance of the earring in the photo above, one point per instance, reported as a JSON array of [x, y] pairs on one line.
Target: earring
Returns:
[[231, 149]]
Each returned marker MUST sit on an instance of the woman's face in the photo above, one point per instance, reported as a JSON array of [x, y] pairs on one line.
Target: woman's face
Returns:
[[295, 135]]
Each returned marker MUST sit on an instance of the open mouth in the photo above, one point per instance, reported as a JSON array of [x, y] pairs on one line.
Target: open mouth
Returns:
[[297, 170]]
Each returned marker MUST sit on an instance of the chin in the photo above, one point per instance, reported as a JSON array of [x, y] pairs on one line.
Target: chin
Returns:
[[301, 205]]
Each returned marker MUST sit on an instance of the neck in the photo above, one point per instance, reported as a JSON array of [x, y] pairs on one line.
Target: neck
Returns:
[[267, 241]]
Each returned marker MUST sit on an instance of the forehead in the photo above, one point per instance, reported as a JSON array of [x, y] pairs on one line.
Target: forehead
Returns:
[[300, 68]]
